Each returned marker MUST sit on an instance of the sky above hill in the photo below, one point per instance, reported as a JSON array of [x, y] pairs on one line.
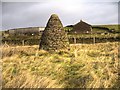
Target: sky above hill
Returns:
[[33, 13]]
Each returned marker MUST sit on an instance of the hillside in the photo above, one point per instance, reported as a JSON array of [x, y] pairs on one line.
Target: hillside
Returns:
[[102, 33], [99, 28], [110, 27]]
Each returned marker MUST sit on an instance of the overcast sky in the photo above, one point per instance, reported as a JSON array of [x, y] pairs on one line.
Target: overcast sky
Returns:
[[29, 14]]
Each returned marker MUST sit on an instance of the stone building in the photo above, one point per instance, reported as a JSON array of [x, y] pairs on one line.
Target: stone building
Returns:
[[54, 37], [81, 27]]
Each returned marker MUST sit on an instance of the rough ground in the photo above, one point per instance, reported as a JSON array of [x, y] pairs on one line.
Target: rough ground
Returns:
[[83, 66]]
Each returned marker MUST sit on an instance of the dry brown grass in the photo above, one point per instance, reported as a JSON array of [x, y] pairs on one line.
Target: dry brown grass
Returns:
[[83, 66]]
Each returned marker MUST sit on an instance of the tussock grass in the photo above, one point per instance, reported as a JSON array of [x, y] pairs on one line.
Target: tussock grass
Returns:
[[83, 66]]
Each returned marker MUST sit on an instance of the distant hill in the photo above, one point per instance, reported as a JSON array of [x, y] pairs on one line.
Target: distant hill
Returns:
[[115, 28], [100, 28]]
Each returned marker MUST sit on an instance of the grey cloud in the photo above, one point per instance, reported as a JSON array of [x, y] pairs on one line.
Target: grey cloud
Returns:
[[26, 14], [119, 12], [0, 15], [54, 0]]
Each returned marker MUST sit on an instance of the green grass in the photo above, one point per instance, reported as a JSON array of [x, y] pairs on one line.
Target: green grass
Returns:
[[110, 27], [16, 38], [83, 66], [94, 35], [114, 27]]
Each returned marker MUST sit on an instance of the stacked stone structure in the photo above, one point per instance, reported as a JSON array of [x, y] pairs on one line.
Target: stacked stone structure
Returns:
[[54, 37]]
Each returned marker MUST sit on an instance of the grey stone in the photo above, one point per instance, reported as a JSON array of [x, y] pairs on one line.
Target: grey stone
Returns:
[[54, 37]]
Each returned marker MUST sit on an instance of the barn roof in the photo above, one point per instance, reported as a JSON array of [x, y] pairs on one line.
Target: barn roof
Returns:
[[81, 27], [81, 24]]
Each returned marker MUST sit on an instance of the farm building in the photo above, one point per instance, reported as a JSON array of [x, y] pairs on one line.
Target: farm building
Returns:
[[26, 31], [81, 27]]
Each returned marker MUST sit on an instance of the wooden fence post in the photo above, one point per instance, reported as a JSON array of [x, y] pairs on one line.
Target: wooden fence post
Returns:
[[93, 40], [5, 42], [74, 40], [75, 51], [23, 42], [82, 40]]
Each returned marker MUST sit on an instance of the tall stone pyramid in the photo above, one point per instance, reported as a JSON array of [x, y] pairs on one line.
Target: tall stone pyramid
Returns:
[[54, 37]]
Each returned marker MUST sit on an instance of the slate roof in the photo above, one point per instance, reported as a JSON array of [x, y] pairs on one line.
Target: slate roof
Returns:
[[81, 27]]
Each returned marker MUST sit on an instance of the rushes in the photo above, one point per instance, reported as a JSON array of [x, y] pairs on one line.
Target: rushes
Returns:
[[92, 67]]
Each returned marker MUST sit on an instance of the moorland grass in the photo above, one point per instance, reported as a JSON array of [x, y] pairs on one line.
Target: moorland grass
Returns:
[[83, 66]]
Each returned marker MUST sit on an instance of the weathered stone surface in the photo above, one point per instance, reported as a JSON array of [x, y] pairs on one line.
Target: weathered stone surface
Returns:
[[54, 37]]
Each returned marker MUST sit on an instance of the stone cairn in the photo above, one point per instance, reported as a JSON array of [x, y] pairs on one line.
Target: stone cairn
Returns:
[[54, 37]]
